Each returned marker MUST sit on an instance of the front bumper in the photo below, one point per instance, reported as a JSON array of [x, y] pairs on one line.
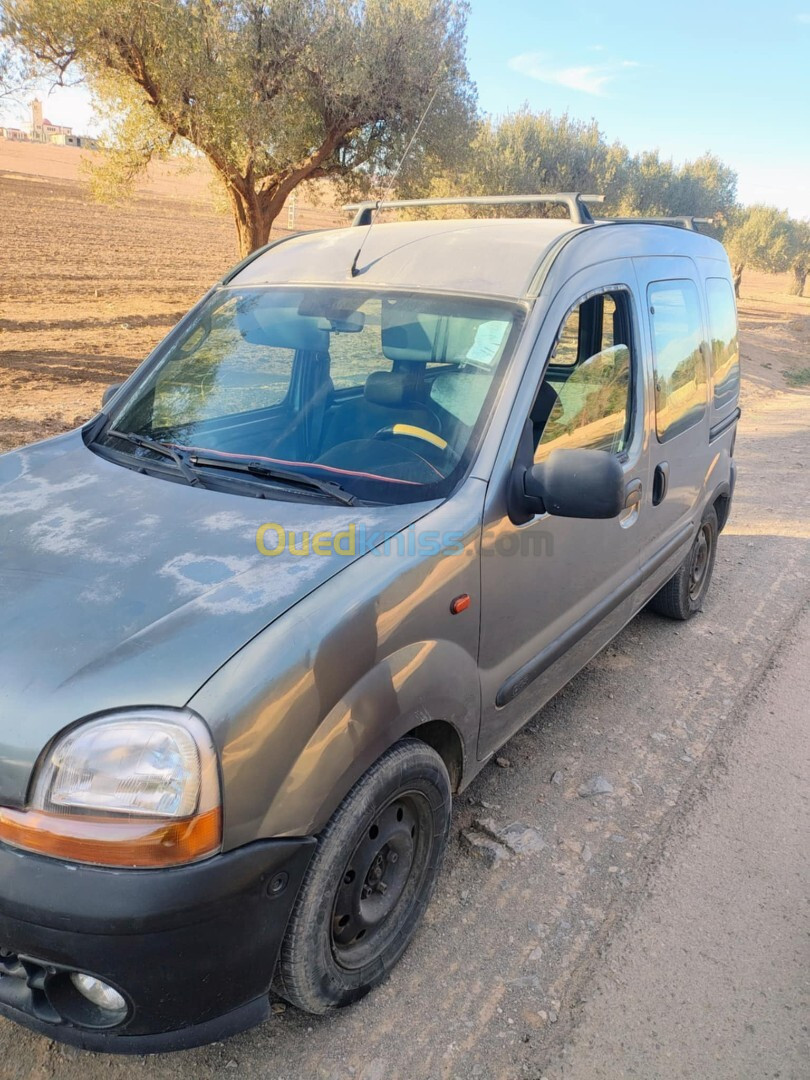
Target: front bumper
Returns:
[[192, 949]]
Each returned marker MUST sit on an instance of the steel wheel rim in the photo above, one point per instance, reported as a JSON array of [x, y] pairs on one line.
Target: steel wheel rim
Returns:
[[699, 564], [381, 879]]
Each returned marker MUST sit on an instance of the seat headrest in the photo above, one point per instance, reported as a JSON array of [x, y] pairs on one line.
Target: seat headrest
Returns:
[[386, 388], [408, 334], [545, 401]]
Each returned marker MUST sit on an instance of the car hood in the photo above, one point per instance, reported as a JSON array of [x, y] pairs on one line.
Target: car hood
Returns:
[[120, 589]]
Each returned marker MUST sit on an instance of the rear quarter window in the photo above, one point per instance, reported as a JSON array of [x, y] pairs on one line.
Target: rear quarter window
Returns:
[[724, 342]]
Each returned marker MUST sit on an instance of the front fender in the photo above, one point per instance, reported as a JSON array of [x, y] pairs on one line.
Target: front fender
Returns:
[[428, 680], [303, 710]]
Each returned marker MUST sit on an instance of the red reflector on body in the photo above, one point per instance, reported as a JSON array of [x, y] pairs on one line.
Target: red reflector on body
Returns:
[[461, 603]]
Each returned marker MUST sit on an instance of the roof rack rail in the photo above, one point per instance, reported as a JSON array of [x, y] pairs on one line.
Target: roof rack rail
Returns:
[[573, 200], [684, 221]]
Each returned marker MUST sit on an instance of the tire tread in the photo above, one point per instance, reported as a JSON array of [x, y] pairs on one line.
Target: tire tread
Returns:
[[292, 979], [672, 600]]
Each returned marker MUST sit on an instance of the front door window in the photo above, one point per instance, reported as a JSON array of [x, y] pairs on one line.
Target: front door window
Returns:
[[585, 400]]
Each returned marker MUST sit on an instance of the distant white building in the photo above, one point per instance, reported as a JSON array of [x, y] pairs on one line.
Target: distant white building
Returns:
[[83, 141], [42, 130]]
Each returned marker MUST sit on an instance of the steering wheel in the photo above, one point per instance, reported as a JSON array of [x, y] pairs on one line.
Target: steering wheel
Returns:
[[411, 431], [433, 451]]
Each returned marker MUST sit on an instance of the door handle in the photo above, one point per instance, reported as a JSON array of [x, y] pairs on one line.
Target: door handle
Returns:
[[660, 482], [632, 494]]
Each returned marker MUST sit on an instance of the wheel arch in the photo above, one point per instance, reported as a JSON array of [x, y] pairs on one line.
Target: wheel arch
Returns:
[[721, 501], [429, 690], [445, 739]]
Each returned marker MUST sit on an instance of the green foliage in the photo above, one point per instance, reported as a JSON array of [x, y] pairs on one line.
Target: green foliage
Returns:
[[527, 152], [135, 141], [800, 255], [275, 93], [704, 187], [272, 92], [800, 377], [760, 237]]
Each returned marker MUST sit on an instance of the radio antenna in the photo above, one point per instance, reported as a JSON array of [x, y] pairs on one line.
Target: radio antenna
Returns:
[[393, 179]]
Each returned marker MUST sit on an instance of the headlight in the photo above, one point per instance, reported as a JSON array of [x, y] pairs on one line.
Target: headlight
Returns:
[[135, 788], [140, 766]]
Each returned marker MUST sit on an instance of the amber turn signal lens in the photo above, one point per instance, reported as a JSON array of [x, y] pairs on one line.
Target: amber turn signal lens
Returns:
[[461, 603], [130, 842]]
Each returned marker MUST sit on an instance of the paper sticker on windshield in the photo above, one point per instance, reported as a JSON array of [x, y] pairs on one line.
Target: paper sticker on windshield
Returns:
[[489, 338]]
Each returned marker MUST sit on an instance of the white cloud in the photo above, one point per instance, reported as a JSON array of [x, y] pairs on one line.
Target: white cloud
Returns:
[[591, 79]]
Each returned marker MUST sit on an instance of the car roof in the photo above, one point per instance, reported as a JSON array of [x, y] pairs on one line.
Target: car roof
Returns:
[[498, 257]]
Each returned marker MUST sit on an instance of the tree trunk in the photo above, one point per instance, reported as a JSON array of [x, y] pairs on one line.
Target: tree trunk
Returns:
[[257, 201], [800, 273], [737, 273], [253, 214]]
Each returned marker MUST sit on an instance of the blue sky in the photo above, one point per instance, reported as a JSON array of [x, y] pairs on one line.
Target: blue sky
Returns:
[[732, 78], [686, 77]]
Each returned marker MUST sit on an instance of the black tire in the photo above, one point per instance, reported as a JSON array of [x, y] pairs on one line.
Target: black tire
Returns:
[[346, 932], [686, 590]]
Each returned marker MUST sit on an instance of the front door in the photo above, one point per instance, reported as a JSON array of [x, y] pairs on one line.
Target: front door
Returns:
[[555, 590]]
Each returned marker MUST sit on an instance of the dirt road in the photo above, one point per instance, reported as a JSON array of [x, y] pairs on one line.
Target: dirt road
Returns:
[[711, 977], [493, 985]]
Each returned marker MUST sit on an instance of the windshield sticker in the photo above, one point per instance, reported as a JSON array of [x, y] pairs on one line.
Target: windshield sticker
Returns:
[[489, 338]]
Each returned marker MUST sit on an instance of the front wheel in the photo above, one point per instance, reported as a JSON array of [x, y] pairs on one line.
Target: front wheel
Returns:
[[369, 881], [686, 590]]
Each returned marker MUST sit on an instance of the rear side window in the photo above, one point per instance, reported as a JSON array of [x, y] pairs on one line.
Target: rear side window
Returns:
[[566, 351], [724, 344], [680, 369]]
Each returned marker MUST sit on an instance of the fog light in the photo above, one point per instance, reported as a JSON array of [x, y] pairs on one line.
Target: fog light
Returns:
[[98, 992]]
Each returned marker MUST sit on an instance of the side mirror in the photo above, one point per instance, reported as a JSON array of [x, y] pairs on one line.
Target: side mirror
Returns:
[[573, 483], [108, 393]]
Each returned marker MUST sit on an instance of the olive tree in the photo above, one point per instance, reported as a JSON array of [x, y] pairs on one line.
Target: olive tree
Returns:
[[527, 151], [760, 237], [704, 187], [271, 92], [800, 255]]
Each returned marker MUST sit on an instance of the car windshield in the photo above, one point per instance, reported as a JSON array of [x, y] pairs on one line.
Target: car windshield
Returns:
[[382, 393]]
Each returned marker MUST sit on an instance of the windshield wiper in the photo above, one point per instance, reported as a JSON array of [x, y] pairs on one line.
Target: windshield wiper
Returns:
[[285, 476], [166, 449]]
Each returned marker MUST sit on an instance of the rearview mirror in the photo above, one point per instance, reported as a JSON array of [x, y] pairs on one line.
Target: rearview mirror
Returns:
[[574, 483], [110, 392]]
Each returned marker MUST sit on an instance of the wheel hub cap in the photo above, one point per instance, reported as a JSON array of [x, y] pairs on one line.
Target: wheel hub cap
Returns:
[[375, 879], [700, 561]]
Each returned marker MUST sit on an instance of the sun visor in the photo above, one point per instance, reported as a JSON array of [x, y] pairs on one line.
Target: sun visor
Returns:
[[408, 334], [281, 328]]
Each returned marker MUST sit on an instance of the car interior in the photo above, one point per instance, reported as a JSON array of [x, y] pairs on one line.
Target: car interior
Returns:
[[404, 411]]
